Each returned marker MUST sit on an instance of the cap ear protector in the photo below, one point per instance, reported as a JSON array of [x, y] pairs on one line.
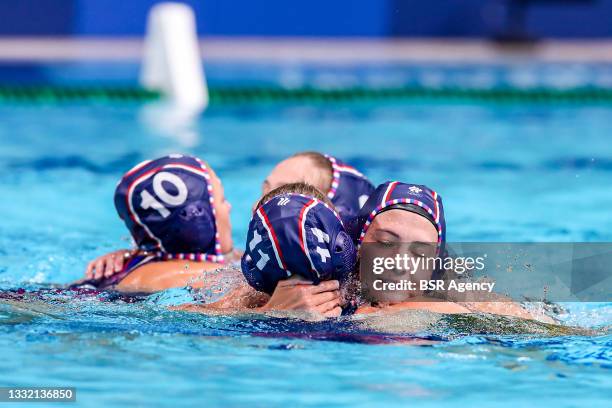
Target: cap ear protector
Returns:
[[345, 254], [191, 229], [167, 204], [296, 234]]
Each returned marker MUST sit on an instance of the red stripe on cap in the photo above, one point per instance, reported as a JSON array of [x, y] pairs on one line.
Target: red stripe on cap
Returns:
[[390, 191], [437, 210], [198, 170], [136, 168], [274, 238], [349, 169], [300, 218], [128, 203]]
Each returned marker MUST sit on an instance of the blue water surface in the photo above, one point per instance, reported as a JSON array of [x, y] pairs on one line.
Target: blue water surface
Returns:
[[506, 172]]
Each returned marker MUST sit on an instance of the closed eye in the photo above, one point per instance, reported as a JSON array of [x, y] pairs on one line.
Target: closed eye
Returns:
[[384, 236]]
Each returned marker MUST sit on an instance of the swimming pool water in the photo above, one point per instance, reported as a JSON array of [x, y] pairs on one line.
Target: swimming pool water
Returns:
[[506, 173]]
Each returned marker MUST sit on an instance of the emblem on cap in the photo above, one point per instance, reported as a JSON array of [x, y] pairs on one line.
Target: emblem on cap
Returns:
[[415, 189]]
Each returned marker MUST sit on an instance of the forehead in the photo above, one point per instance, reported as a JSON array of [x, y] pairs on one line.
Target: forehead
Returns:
[[299, 164], [406, 225]]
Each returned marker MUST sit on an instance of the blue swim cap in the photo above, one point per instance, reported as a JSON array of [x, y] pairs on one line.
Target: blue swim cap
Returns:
[[415, 198], [349, 189], [296, 234], [168, 207]]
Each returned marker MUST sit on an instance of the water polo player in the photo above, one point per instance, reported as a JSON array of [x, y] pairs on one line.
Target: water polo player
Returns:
[[399, 213], [346, 187], [176, 212], [296, 235], [297, 253]]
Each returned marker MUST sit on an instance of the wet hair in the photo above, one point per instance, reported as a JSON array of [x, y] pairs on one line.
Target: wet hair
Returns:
[[295, 188], [322, 164]]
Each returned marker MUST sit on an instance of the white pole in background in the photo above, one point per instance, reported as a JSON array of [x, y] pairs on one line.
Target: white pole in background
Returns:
[[172, 63]]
